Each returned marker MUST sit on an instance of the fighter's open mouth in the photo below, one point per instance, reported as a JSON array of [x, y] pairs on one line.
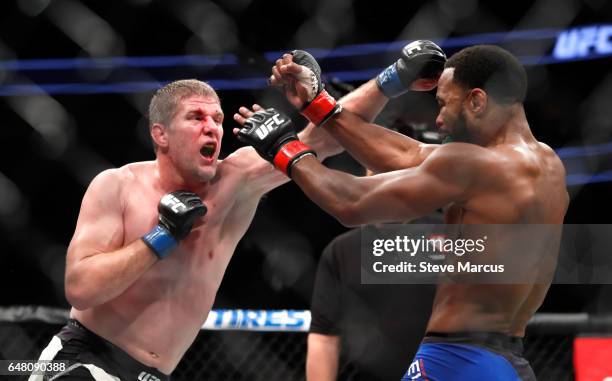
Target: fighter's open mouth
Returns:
[[208, 150]]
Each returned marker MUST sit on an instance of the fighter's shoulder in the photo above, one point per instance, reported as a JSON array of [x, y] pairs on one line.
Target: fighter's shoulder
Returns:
[[551, 158], [112, 180], [462, 157], [137, 170], [243, 163], [546, 147], [239, 158], [548, 151]]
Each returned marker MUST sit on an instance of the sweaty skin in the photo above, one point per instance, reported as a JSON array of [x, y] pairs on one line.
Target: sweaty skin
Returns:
[[153, 309], [502, 176]]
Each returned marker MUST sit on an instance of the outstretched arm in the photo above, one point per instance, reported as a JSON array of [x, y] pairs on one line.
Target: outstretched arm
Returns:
[[445, 176], [389, 197], [363, 105], [259, 175], [375, 147]]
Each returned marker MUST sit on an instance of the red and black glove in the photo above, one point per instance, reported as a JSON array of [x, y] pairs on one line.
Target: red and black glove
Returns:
[[272, 135], [320, 106]]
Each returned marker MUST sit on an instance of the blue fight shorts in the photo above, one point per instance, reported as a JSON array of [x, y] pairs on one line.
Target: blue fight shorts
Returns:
[[469, 356]]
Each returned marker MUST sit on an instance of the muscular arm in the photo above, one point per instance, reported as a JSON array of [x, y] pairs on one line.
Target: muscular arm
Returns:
[[260, 176], [444, 177], [366, 102], [375, 147], [322, 357], [99, 267]]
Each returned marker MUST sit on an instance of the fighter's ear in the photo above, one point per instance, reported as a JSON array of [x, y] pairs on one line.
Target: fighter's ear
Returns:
[[159, 134], [477, 100]]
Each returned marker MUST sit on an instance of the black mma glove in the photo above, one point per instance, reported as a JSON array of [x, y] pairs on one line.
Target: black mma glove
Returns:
[[320, 106], [273, 137], [418, 68], [177, 213]]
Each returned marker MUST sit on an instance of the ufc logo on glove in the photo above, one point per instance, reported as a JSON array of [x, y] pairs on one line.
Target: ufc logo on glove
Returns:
[[269, 126], [144, 376], [173, 203], [410, 51]]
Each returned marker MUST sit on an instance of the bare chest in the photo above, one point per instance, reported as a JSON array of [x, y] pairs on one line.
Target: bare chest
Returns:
[[205, 253], [206, 250]]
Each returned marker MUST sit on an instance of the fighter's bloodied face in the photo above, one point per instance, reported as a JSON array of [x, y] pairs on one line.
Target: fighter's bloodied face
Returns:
[[194, 137], [451, 98]]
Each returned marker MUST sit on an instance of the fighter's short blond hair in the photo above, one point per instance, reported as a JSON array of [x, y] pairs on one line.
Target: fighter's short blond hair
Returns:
[[165, 101]]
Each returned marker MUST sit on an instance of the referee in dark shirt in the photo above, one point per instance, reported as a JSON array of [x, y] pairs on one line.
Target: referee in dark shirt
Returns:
[[363, 331]]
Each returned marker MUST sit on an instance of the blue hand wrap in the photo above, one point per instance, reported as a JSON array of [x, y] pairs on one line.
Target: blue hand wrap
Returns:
[[389, 82], [160, 241]]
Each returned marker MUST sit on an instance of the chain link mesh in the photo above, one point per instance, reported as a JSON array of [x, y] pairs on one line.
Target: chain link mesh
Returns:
[[243, 355], [550, 356]]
